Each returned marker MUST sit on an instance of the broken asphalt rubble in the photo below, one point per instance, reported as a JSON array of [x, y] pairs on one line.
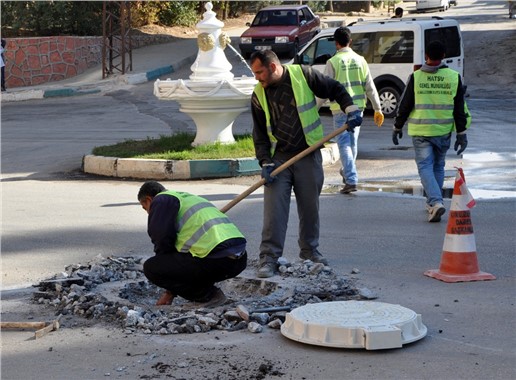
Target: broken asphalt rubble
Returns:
[[115, 290]]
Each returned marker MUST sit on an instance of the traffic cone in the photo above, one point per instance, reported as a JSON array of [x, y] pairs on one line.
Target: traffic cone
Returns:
[[459, 258]]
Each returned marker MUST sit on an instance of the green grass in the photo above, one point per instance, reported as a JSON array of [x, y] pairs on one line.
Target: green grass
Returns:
[[178, 147]]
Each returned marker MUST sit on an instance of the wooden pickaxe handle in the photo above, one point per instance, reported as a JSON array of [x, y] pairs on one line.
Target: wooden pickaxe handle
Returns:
[[283, 166], [22, 325]]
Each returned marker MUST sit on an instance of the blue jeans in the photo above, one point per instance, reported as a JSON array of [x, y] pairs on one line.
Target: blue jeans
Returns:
[[348, 149], [430, 160]]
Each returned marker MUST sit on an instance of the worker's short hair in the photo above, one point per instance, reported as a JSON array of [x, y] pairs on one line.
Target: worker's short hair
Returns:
[[342, 35], [435, 50], [266, 57], [398, 11], [150, 189]]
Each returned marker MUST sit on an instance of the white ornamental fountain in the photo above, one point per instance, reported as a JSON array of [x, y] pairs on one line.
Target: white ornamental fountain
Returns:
[[212, 97]]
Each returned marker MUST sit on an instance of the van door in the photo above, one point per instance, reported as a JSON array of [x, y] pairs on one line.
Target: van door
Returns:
[[390, 56], [450, 36]]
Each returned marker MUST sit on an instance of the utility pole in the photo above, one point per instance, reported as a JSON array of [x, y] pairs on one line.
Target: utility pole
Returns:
[[117, 55]]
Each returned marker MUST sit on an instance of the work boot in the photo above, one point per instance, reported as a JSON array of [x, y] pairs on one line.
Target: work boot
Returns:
[[267, 269], [346, 189], [315, 257], [436, 212]]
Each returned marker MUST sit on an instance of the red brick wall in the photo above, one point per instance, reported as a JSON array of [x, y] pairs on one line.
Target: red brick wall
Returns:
[[37, 60]]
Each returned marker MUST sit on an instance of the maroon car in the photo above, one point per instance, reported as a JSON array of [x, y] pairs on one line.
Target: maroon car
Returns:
[[283, 29]]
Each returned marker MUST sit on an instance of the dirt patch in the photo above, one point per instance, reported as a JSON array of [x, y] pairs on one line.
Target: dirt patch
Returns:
[[485, 72], [192, 31]]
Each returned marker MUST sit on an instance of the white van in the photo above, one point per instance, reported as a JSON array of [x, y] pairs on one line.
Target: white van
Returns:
[[393, 48], [429, 5]]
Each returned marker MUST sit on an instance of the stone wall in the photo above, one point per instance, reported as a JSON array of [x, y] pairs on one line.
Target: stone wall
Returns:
[[37, 60]]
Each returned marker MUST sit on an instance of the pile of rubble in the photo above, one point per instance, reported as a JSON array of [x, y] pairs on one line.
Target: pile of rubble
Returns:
[[116, 291]]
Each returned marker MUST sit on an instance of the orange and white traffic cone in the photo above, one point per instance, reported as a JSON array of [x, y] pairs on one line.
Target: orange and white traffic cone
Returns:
[[459, 257]]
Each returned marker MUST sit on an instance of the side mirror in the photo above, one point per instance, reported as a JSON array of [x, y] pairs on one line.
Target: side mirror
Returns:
[[247, 24], [303, 59]]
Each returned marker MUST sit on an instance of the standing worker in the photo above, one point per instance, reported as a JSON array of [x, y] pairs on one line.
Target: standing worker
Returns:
[[433, 103], [196, 246], [352, 71], [286, 122]]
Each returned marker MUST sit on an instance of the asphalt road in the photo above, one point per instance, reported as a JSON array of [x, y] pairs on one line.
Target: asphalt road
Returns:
[[53, 216]]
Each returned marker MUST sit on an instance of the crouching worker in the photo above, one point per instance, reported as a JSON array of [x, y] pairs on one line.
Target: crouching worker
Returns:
[[196, 246]]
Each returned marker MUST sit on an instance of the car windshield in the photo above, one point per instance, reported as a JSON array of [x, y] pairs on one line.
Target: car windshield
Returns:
[[277, 17]]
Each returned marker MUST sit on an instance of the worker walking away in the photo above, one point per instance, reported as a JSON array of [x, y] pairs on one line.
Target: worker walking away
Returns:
[[352, 71], [286, 122], [195, 246], [434, 106]]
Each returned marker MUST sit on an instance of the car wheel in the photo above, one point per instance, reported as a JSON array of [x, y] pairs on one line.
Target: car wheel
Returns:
[[295, 50], [389, 100]]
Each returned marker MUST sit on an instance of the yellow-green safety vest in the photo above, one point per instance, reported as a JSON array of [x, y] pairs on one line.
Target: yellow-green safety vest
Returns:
[[434, 103], [351, 70], [200, 225], [306, 107]]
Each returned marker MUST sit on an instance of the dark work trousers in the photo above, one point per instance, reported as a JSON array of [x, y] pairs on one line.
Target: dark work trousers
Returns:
[[191, 277], [305, 178], [3, 78]]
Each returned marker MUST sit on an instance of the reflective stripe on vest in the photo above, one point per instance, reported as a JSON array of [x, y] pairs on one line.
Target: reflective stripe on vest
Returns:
[[351, 70], [200, 225], [434, 102], [305, 103]]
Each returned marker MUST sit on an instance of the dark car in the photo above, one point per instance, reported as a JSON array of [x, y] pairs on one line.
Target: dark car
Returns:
[[283, 29]]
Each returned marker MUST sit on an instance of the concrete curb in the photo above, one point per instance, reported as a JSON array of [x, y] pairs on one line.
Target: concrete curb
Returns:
[[156, 73], [131, 79], [182, 169]]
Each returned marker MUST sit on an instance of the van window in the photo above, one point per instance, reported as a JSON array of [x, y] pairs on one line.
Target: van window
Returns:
[[363, 44], [449, 36], [319, 52], [385, 47]]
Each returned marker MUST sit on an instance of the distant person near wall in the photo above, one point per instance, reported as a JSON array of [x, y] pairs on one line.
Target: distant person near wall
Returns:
[[398, 13], [2, 64]]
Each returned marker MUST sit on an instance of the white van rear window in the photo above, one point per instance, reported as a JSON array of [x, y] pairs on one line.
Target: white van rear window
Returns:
[[449, 36], [385, 47]]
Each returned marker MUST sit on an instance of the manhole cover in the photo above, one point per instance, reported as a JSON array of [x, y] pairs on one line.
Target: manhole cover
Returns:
[[354, 324]]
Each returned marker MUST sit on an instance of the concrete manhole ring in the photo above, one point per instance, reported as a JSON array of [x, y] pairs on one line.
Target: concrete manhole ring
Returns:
[[354, 324]]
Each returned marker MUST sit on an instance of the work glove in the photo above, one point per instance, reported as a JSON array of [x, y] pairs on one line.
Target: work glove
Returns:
[[396, 134], [354, 119], [462, 141], [267, 169], [378, 118]]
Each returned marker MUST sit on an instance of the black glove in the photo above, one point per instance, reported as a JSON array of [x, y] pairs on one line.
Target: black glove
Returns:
[[267, 169], [462, 141], [396, 133], [354, 120]]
